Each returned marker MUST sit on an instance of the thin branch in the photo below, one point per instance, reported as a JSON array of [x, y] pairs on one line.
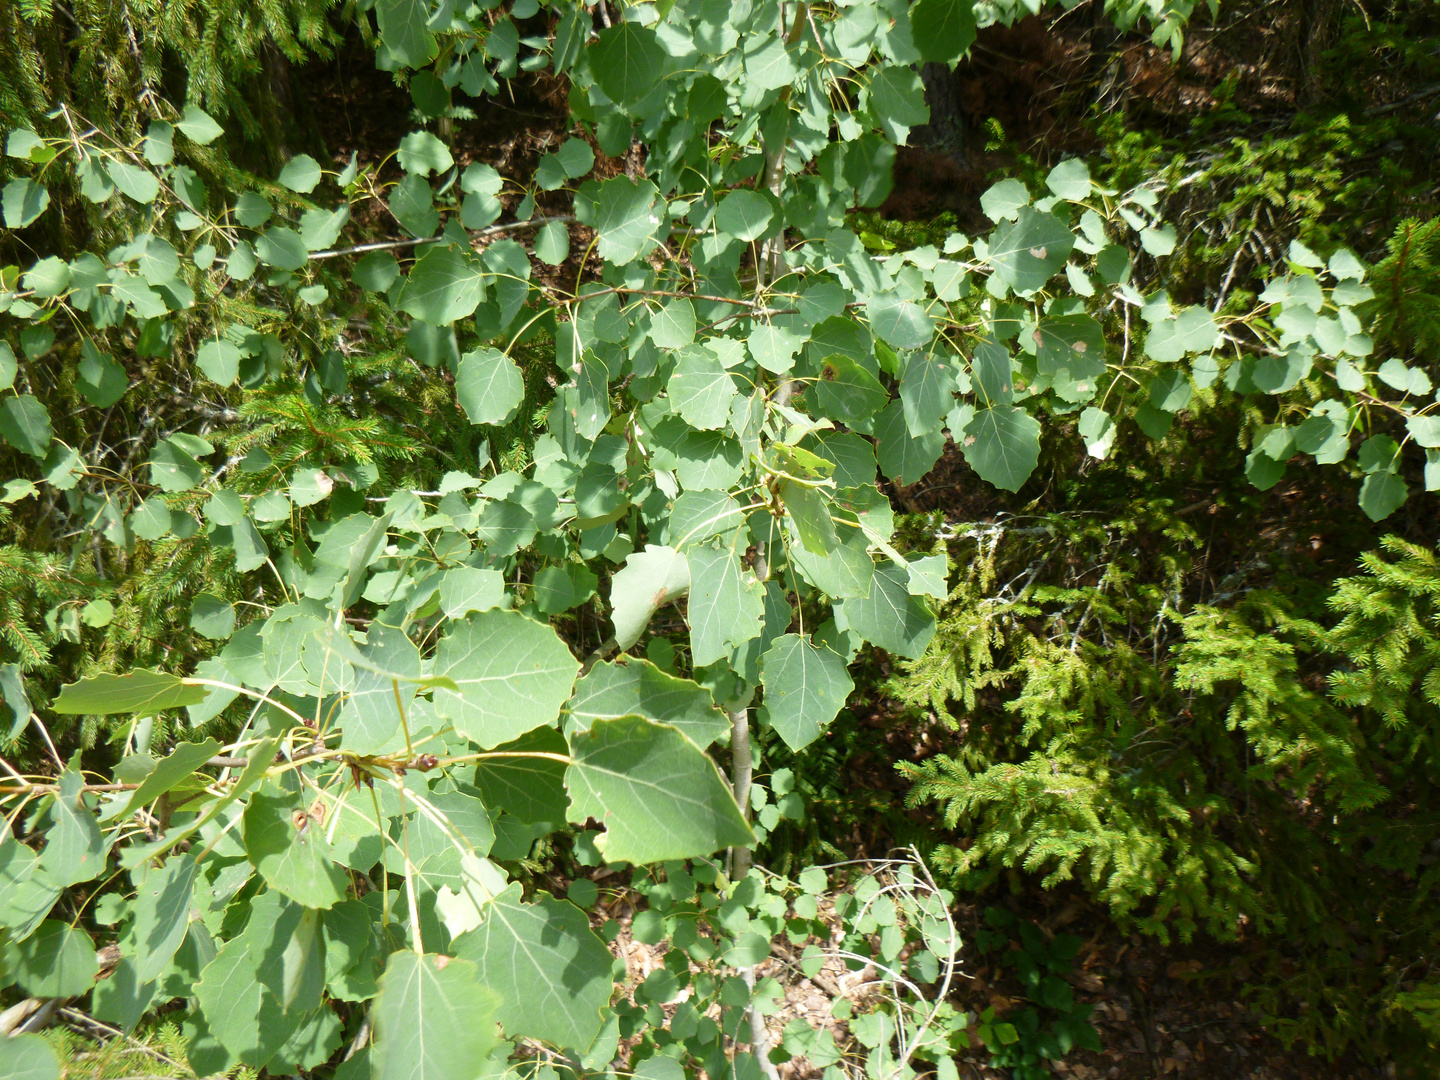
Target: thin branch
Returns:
[[478, 234]]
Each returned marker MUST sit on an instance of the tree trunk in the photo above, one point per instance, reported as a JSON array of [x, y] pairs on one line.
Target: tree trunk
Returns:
[[947, 132]]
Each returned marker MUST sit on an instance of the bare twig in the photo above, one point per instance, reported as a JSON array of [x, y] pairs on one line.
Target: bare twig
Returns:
[[478, 234]]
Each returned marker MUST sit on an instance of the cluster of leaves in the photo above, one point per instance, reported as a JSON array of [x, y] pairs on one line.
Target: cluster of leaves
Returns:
[[1021, 1041], [398, 689], [890, 922], [1227, 766]]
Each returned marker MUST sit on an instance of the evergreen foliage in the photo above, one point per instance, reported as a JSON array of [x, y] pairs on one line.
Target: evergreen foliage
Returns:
[[118, 66], [1176, 760]]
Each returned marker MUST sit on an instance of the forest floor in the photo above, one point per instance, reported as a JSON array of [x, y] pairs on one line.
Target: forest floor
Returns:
[[1162, 1010]]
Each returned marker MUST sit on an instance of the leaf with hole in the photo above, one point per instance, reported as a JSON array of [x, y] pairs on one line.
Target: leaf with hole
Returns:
[[288, 846]]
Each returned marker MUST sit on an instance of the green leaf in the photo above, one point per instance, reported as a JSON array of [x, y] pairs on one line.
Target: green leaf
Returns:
[[1192, 330], [512, 674], [22, 143], [286, 948], [560, 588], [489, 386], [445, 284], [26, 892], [900, 323], [551, 971], [943, 30], [15, 490], [219, 360], [575, 157], [531, 788], [47, 278], [12, 692], [422, 153], [466, 588], [162, 915], [23, 201], [889, 616], [1399, 375], [321, 228], [376, 272], [387, 671], [28, 1057], [627, 61], [1097, 429], [726, 605], [774, 347], [198, 126], [845, 571], [1425, 430], [926, 394], [57, 961], [1070, 180], [928, 576], [1381, 494], [573, 160], [701, 390], [638, 688], [133, 181], [657, 794], [8, 366], [212, 617], [1029, 251], [1070, 353], [846, 391], [626, 215], [744, 215], [301, 173], [172, 468], [768, 64], [159, 145], [140, 691], [241, 263], [74, 849], [252, 210], [281, 248], [25, 425], [805, 687], [897, 101], [144, 302], [102, 381], [1158, 241], [1002, 445], [290, 851], [434, 1020], [649, 579], [1003, 201], [552, 243], [673, 326], [413, 204], [241, 1014], [809, 510], [905, 458]]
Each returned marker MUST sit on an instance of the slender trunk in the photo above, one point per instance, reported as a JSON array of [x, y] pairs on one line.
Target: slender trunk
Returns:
[[741, 767]]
